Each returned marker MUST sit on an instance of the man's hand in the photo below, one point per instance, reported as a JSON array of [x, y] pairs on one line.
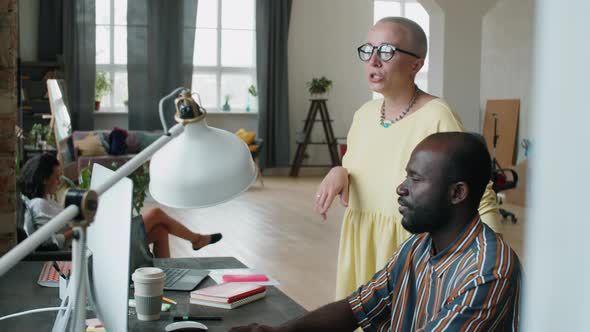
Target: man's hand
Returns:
[[336, 316], [335, 183], [254, 328]]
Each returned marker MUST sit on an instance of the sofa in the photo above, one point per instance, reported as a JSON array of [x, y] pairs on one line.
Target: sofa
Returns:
[[89, 147]]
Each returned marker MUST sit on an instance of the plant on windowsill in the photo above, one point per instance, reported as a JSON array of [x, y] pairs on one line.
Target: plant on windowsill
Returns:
[[251, 92], [319, 87], [102, 87], [226, 107]]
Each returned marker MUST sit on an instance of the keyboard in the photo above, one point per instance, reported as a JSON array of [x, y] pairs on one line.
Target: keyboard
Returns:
[[173, 275]]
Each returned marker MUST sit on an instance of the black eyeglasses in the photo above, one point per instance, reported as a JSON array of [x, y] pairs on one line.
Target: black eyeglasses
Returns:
[[385, 52]]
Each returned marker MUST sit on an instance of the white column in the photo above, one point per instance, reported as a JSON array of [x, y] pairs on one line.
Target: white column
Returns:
[[557, 295], [460, 55], [436, 46]]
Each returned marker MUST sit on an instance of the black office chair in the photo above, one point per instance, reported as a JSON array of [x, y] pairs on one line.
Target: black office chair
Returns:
[[45, 252], [502, 178]]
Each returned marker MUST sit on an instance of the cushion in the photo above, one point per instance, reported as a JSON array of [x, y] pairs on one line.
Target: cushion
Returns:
[[104, 139], [133, 142], [247, 136], [90, 146], [117, 142], [146, 139]]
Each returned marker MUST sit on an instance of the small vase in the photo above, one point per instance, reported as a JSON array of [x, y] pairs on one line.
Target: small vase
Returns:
[[226, 107]]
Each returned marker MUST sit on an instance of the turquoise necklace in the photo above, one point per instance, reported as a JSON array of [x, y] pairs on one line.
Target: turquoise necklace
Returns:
[[388, 123]]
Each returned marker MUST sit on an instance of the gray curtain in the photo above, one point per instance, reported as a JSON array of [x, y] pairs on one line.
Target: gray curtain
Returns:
[[160, 40], [272, 31], [50, 36], [79, 35]]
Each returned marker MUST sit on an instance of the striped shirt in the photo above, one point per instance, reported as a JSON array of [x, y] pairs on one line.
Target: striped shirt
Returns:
[[472, 285]]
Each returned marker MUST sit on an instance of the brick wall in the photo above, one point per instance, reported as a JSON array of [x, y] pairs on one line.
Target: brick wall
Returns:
[[8, 113]]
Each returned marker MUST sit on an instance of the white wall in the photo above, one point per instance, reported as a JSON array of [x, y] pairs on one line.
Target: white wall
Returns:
[[323, 37], [436, 45], [233, 122], [228, 121], [28, 15], [557, 295], [462, 57], [506, 64], [109, 120]]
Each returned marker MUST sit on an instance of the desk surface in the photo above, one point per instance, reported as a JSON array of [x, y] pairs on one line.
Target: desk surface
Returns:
[[19, 291]]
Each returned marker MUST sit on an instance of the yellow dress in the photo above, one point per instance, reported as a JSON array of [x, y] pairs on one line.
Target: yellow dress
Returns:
[[376, 158]]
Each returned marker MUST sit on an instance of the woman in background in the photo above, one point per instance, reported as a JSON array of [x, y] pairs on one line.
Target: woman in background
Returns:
[[39, 180]]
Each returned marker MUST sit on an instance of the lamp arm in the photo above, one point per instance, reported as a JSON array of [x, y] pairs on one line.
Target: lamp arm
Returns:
[[11, 258], [161, 107]]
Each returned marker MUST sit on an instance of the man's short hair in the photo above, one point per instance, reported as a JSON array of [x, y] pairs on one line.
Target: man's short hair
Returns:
[[468, 160], [416, 36]]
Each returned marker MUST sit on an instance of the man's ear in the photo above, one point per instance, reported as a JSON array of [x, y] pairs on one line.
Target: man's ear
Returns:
[[458, 192]]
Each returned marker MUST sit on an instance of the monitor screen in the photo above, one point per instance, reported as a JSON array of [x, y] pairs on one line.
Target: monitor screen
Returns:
[[108, 244]]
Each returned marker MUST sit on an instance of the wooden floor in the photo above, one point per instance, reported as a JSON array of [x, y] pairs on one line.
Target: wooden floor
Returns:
[[273, 229]]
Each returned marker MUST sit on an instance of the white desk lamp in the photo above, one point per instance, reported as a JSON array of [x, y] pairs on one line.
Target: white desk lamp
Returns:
[[193, 165]]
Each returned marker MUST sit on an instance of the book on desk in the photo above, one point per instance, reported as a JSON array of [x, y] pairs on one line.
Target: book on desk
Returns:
[[228, 295]]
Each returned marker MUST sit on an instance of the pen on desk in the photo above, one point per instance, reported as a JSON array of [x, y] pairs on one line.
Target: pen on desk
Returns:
[[56, 267], [167, 300], [196, 318]]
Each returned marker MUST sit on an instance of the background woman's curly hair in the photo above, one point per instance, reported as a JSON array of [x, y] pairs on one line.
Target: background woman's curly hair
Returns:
[[34, 174]]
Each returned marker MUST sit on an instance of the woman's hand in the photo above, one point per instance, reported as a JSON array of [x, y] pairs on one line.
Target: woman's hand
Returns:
[[335, 183]]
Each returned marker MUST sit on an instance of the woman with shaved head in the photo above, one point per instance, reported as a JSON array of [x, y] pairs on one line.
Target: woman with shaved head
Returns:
[[380, 140]]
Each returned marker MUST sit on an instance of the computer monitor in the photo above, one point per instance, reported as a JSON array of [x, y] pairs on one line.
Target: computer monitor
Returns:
[[109, 239]]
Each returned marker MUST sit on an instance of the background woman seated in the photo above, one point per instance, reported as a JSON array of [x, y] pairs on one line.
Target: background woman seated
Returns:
[[39, 181]]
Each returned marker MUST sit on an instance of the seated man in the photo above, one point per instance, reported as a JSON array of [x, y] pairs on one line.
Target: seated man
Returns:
[[454, 274]]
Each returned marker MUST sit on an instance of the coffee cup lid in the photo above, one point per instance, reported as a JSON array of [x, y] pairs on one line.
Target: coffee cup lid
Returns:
[[148, 273]]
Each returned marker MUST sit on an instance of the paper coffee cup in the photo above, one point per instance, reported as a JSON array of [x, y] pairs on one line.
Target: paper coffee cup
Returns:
[[148, 283]]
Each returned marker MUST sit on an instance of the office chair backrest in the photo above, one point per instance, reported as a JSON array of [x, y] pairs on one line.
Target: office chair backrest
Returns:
[[26, 226], [28, 219]]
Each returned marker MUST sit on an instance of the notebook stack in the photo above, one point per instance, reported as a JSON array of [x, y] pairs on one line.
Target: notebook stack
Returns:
[[229, 295]]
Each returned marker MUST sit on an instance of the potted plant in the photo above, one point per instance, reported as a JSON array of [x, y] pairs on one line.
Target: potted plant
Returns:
[[318, 87], [102, 88], [140, 178], [41, 136], [251, 92], [226, 106]]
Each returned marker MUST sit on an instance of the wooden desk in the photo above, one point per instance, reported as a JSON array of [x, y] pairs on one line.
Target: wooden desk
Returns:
[[19, 291]]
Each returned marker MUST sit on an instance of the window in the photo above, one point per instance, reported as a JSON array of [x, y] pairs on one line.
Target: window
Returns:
[[224, 57], [225, 54], [414, 11], [111, 51]]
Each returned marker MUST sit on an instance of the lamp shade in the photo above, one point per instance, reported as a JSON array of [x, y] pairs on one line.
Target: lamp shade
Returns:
[[201, 167]]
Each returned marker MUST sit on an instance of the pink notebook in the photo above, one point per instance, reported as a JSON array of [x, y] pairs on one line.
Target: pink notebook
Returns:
[[244, 278], [227, 292]]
